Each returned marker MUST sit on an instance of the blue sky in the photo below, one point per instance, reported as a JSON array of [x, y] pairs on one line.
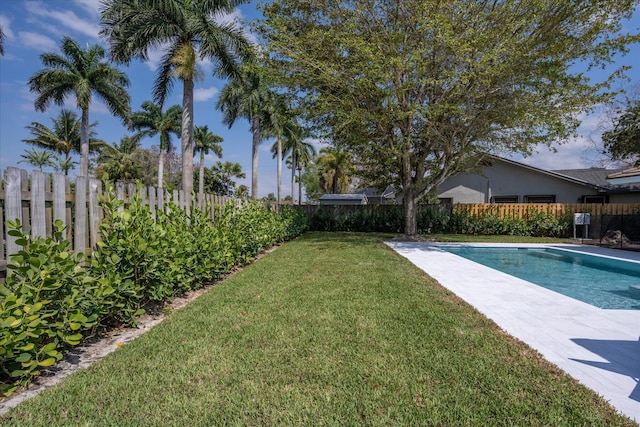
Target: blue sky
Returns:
[[34, 27]]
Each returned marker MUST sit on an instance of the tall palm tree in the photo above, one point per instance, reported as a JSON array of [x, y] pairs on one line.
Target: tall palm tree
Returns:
[[298, 151], [278, 120], [246, 96], [64, 138], [151, 121], [337, 168], [80, 72], [205, 141], [37, 158], [186, 31]]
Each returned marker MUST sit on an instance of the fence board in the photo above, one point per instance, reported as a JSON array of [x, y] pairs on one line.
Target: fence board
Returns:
[[38, 224], [13, 204], [80, 226], [95, 213]]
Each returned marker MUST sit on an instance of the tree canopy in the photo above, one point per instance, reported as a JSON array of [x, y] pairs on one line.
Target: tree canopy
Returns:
[[419, 90], [623, 141], [82, 73]]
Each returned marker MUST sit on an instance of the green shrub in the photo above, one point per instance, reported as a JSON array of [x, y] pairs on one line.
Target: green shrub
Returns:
[[44, 306], [53, 298]]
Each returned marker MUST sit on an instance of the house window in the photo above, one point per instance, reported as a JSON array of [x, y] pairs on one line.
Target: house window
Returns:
[[545, 198], [504, 199], [595, 199]]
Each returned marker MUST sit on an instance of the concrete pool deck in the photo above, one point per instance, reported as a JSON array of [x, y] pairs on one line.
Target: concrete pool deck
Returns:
[[600, 348]]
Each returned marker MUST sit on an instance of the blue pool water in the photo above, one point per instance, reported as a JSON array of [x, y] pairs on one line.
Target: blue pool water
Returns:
[[599, 281]]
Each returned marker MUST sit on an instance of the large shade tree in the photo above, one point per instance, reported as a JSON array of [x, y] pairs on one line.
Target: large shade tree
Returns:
[[205, 141], [152, 121], [247, 96], [418, 90], [186, 30], [622, 142], [81, 73], [64, 138]]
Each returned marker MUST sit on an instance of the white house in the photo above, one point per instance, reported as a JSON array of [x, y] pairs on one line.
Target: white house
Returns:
[[502, 180]]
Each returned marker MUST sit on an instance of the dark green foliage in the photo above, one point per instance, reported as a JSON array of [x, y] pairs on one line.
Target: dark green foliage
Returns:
[[54, 298], [437, 219], [43, 306]]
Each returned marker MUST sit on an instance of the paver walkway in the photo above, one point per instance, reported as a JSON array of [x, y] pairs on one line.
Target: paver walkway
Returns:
[[600, 348]]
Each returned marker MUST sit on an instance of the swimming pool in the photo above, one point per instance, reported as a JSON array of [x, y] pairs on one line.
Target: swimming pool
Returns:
[[600, 281]]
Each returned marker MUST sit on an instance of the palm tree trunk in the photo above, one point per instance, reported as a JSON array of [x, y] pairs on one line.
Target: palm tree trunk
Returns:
[[160, 168], [201, 174], [255, 129], [187, 137], [293, 178], [279, 168], [299, 186], [84, 143]]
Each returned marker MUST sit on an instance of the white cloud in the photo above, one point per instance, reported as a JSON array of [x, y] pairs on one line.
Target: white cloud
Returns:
[[90, 6], [67, 18], [204, 94], [37, 41], [6, 27]]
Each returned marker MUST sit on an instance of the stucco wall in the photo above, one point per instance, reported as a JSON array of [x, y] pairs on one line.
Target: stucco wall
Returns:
[[506, 179]]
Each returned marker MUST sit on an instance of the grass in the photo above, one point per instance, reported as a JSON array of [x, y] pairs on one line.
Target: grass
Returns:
[[330, 329]]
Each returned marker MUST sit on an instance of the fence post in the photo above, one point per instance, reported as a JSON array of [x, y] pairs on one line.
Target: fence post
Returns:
[[13, 206], [95, 213]]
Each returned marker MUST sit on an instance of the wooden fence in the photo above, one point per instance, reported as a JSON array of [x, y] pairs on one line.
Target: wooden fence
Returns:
[[41, 199], [558, 209], [502, 210]]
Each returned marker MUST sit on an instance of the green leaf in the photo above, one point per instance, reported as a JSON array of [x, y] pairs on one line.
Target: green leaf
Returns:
[[74, 326], [139, 312], [47, 362], [49, 347], [73, 339], [23, 357], [27, 347]]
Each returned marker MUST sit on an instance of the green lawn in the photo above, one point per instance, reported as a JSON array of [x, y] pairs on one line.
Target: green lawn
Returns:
[[330, 329], [497, 239]]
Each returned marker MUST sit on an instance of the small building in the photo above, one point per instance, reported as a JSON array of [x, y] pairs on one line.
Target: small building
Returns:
[[343, 199], [377, 197]]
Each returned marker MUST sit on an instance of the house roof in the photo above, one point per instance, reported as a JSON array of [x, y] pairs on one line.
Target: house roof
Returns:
[[375, 192], [597, 176], [555, 174], [626, 176]]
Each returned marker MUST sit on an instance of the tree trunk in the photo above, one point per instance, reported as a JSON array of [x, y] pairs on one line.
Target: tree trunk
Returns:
[[187, 137], [293, 179], [84, 143], [255, 130], [201, 174], [299, 186], [161, 168], [279, 168], [410, 214]]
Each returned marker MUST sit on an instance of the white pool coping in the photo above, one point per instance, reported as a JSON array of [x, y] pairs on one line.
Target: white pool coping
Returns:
[[600, 348]]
